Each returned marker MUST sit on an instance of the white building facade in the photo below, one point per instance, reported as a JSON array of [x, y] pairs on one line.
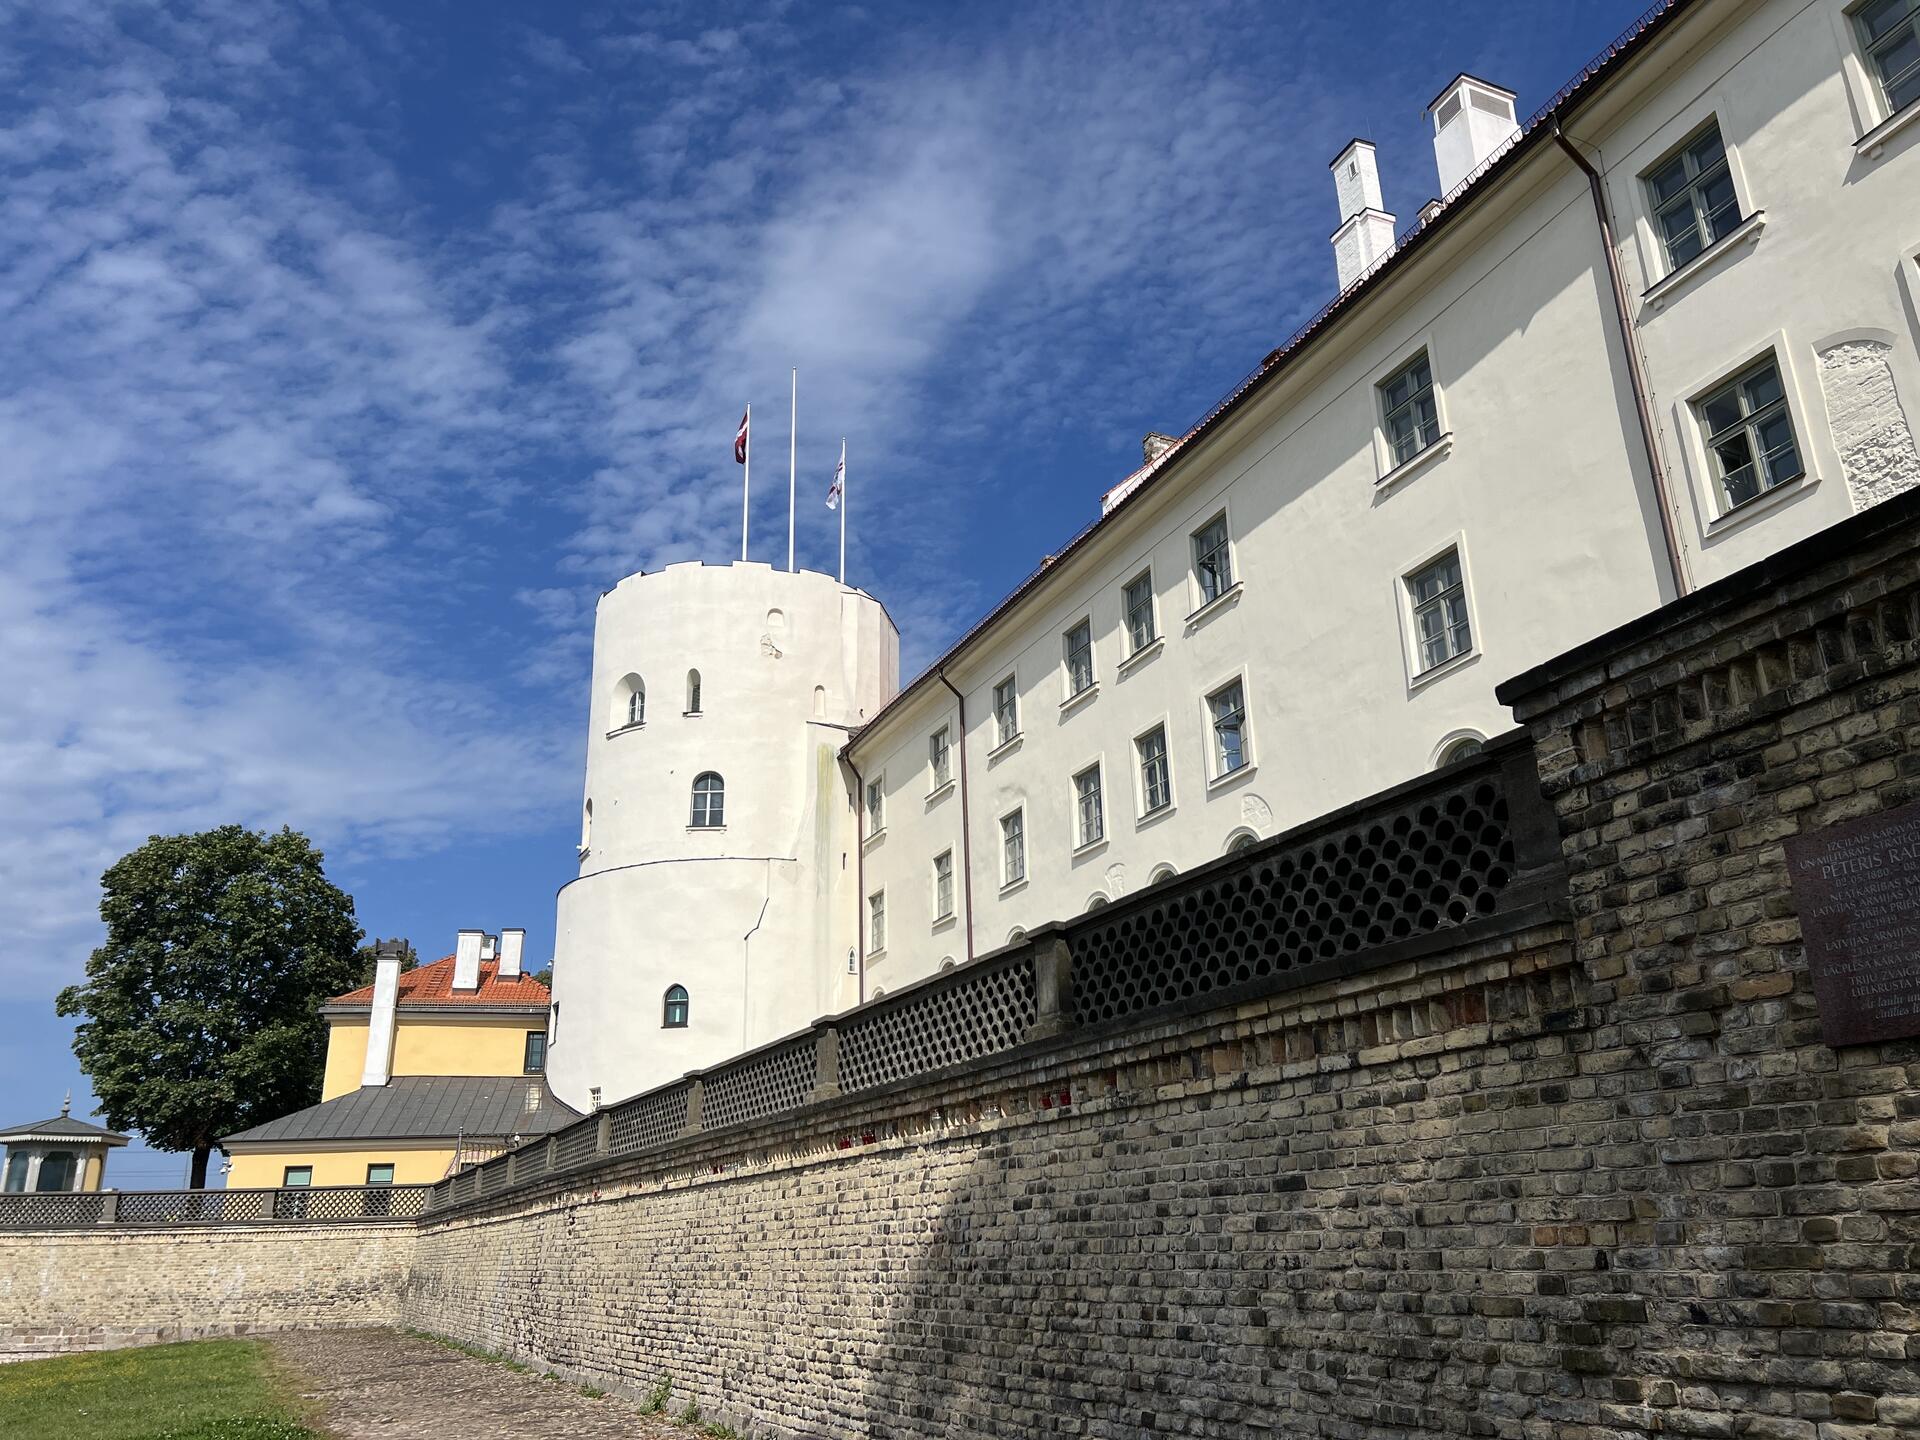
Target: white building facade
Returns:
[[717, 837], [1666, 327], [1475, 462]]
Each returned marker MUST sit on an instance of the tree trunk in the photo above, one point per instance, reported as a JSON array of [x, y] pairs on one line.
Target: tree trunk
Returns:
[[198, 1180]]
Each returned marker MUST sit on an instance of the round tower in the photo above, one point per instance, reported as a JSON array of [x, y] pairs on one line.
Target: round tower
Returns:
[[715, 906]]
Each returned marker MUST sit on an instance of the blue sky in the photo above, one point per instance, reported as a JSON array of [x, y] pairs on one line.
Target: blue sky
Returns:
[[347, 352]]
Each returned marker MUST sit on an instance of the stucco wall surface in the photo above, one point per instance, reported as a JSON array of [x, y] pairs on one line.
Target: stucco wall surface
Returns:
[[92, 1290]]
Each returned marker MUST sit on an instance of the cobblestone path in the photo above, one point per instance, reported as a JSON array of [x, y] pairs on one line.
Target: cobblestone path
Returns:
[[382, 1385]]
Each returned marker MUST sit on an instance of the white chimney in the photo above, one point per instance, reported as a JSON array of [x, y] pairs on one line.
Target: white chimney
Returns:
[[466, 960], [1366, 229], [386, 995], [1472, 121], [512, 943], [489, 946]]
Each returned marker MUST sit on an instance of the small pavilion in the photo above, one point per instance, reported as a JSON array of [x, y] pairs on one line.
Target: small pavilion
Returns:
[[61, 1154]]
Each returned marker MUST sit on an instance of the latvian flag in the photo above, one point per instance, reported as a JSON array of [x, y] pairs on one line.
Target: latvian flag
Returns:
[[839, 486], [740, 441]]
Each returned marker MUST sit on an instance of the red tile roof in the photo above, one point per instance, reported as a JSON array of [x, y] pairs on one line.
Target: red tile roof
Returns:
[[433, 985]]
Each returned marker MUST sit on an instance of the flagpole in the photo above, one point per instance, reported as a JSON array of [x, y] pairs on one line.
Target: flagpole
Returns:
[[746, 484], [843, 510], [793, 419]]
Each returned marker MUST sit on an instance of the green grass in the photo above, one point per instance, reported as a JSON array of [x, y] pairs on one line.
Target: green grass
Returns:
[[202, 1390]]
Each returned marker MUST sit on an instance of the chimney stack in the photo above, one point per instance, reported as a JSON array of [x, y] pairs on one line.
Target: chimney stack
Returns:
[[1472, 122], [1366, 229], [512, 944], [386, 997], [466, 960], [1156, 445]]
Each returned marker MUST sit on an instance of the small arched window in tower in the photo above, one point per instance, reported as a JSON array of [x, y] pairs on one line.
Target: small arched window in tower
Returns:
[[819, 702], [693, 692], [673, 1013], [636, 701], [586, 826], [709, 801]]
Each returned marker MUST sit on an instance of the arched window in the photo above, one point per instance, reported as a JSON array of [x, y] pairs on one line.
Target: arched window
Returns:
[[1096, 900], [946, 962], [1241, 840], [1160, 876], [673, 1012], [709, 801], [819, 702], [1458, 748], [693, 692], [629, 703], [1016, 935], [57, 1170], [586, 826]]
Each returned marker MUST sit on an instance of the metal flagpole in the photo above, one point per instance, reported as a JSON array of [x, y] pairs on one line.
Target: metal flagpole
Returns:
[[843, 509], [793, 419], [746, 483]]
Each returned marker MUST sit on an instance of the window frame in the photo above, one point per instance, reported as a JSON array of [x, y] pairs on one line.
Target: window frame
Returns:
[[1082, 679], [1421, 354], [874, 805], [386, 1165], [1215, 774], [1003, 737], [1135, 645], [940, 759], [1082, 840], [287, 1182], [1223, 517], [1417, 607], [943, 904], [1419, 676], [716, 816], [1009, 880], [1715, 521], [1144, 811], [696, 696], [1680, 152], [1854, 19], [876, 933], [675, 998], [1735, 385], [527, 1065]]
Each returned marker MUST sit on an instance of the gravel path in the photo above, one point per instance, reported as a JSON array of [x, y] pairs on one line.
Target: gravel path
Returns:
[[382, 1385]]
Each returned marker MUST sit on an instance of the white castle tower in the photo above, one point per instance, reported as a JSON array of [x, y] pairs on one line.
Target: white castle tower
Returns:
[[715, 907]]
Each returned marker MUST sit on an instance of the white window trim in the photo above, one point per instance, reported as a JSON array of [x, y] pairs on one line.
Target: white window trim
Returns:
[[1662, 146], [942, 919], [1153, 608], [1201, 517], [1655, 297], [935, 785], [886, 912], [1451, 739], [1098, 765], [1874, 123], [1007, 887], [1712, 516], [1001, 743], [1142, 815], [1389, 472], [1140, 657], [1249, 740], [866, 810], [1418, 679], [1070, 698]]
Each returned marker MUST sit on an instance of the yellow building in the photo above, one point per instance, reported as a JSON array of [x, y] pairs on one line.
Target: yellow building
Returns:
[[61, 1154], [425, 1071]]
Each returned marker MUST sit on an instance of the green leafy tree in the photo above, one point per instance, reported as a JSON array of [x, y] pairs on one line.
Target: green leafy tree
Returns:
[[202, 1010]]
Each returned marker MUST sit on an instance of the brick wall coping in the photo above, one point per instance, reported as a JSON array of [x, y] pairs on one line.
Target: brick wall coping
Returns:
[[1704, 616]]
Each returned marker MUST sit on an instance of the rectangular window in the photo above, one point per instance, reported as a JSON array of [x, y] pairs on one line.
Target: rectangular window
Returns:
[[1079, 647], [1409, 415], [943, 885], [1156, 784], [1006, 711], [1439, 597], [876, 806], [1090, 820], [1212, 561], [381, 1174], [876, 922], [1750, 434], [1693, 199], [297, 1175], [1227, 709], [940, 756], [536, 1052], [1137, 602], [1890, 34], [1013, 847]]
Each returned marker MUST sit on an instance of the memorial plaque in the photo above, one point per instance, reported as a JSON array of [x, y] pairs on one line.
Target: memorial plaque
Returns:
[[1857, 887]]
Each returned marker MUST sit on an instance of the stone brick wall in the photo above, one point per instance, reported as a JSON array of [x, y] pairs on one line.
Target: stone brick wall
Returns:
[[91, 1290]]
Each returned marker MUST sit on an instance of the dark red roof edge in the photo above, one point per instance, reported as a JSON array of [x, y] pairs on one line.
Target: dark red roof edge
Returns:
[[1533, 133]]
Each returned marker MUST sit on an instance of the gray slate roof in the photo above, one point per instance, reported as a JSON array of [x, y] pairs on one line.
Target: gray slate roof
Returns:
[[63, 1127], [424, 1107]]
